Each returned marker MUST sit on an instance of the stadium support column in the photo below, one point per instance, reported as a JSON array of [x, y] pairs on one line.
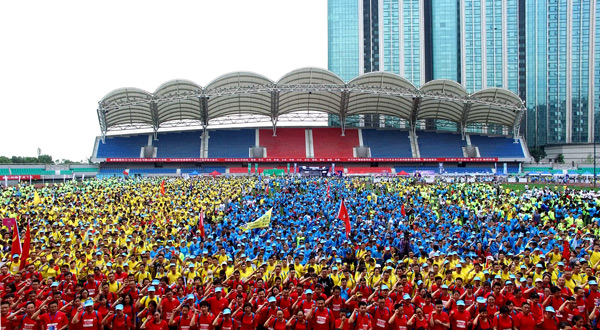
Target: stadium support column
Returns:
[[204, 121], [274, 109], [155, 122], [414, 111], [463, 119], [345, 97], [102, 120], [517, 122]]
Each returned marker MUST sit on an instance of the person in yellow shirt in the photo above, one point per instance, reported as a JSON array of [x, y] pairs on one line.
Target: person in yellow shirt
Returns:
[[113, 285], [298, 266], [173, 274], [14, 264], [595, 255], [144, 301]]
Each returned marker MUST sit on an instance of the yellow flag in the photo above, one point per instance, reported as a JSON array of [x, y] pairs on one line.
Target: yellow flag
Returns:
[[36, 198], [262, 222], [374, 197]]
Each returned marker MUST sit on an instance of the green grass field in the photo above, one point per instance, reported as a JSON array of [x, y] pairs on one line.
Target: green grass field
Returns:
[[521, 186]]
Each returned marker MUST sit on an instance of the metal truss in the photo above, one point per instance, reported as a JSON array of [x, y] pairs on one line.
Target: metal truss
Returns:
[[274, 92]]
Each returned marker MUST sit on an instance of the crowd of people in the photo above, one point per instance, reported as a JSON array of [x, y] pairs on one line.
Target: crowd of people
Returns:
[[156, 254]]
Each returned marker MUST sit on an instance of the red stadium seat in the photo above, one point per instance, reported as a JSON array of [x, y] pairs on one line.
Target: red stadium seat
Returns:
[[289, 142], [329, 142]]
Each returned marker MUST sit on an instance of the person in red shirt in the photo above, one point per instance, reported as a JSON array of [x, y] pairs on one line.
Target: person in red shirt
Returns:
[[299, 322], [336, 302], [204, 319], [284, 301], [217, 302], [321, 318], [54, 319], [503, 320], [245, 317], [592, 295], [117, 320], [578, 323], [183, 320], [29, 321], [525, 319], [91, 285], [439, 320], [86, 317], [305, 304], [5, 324], [276, 322], [381, 314], [155, 323], [168, 304], [548, 321], [398, 320], [460, 318], [482, 321], [225, 321], [418, 320], [360, 318], [569, 309]]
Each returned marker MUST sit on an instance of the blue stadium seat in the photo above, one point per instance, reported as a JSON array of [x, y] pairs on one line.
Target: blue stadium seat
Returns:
[[111, 171], [512, 169], [387, 143], [122, 146], [440, 144], [230, 143], [499, 147], [178, 145]]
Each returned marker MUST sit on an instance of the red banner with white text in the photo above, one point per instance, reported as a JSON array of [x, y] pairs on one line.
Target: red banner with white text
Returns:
[[20, 177], [299, 160]]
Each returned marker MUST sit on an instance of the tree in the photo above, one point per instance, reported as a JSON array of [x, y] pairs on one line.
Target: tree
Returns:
[[45, 159], [65, 162], [538, 154], [4, 160], [560, 158]]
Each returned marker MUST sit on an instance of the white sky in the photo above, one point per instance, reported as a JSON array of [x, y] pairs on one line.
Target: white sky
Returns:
[[59, 58]]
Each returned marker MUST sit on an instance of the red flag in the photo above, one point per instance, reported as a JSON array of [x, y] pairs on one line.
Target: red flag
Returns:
[[402, 211], [162, 187], [328, 196], [343, 215], [16, 242], [26, 246], [201, 224], [126, 172]]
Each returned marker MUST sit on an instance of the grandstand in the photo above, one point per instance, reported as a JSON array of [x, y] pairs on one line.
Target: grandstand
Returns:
[[236, 122]]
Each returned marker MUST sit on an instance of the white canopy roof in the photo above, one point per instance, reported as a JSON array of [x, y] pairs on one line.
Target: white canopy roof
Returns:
[[181, 102]]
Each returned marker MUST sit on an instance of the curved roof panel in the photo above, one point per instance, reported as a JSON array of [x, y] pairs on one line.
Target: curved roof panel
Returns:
[[488, 107], [305, 89], [442, 99], [310, 76]]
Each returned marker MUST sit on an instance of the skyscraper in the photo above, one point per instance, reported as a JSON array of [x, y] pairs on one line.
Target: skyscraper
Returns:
[[546, 51], [560, 47]]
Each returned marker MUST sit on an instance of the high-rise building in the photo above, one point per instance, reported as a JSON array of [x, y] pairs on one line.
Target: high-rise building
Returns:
[[559, 45], [343, 56], [546, 51]]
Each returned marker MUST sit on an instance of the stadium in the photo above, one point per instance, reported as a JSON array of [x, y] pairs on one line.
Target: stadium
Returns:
[[243, 122]]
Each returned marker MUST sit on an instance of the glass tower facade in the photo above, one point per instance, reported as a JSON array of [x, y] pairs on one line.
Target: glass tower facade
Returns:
[[343, 56], [490, 47], [558, 46], [546, 51], [445, 38]]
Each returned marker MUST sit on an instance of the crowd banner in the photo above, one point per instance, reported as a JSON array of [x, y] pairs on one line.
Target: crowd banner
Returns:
[[262, 222]]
